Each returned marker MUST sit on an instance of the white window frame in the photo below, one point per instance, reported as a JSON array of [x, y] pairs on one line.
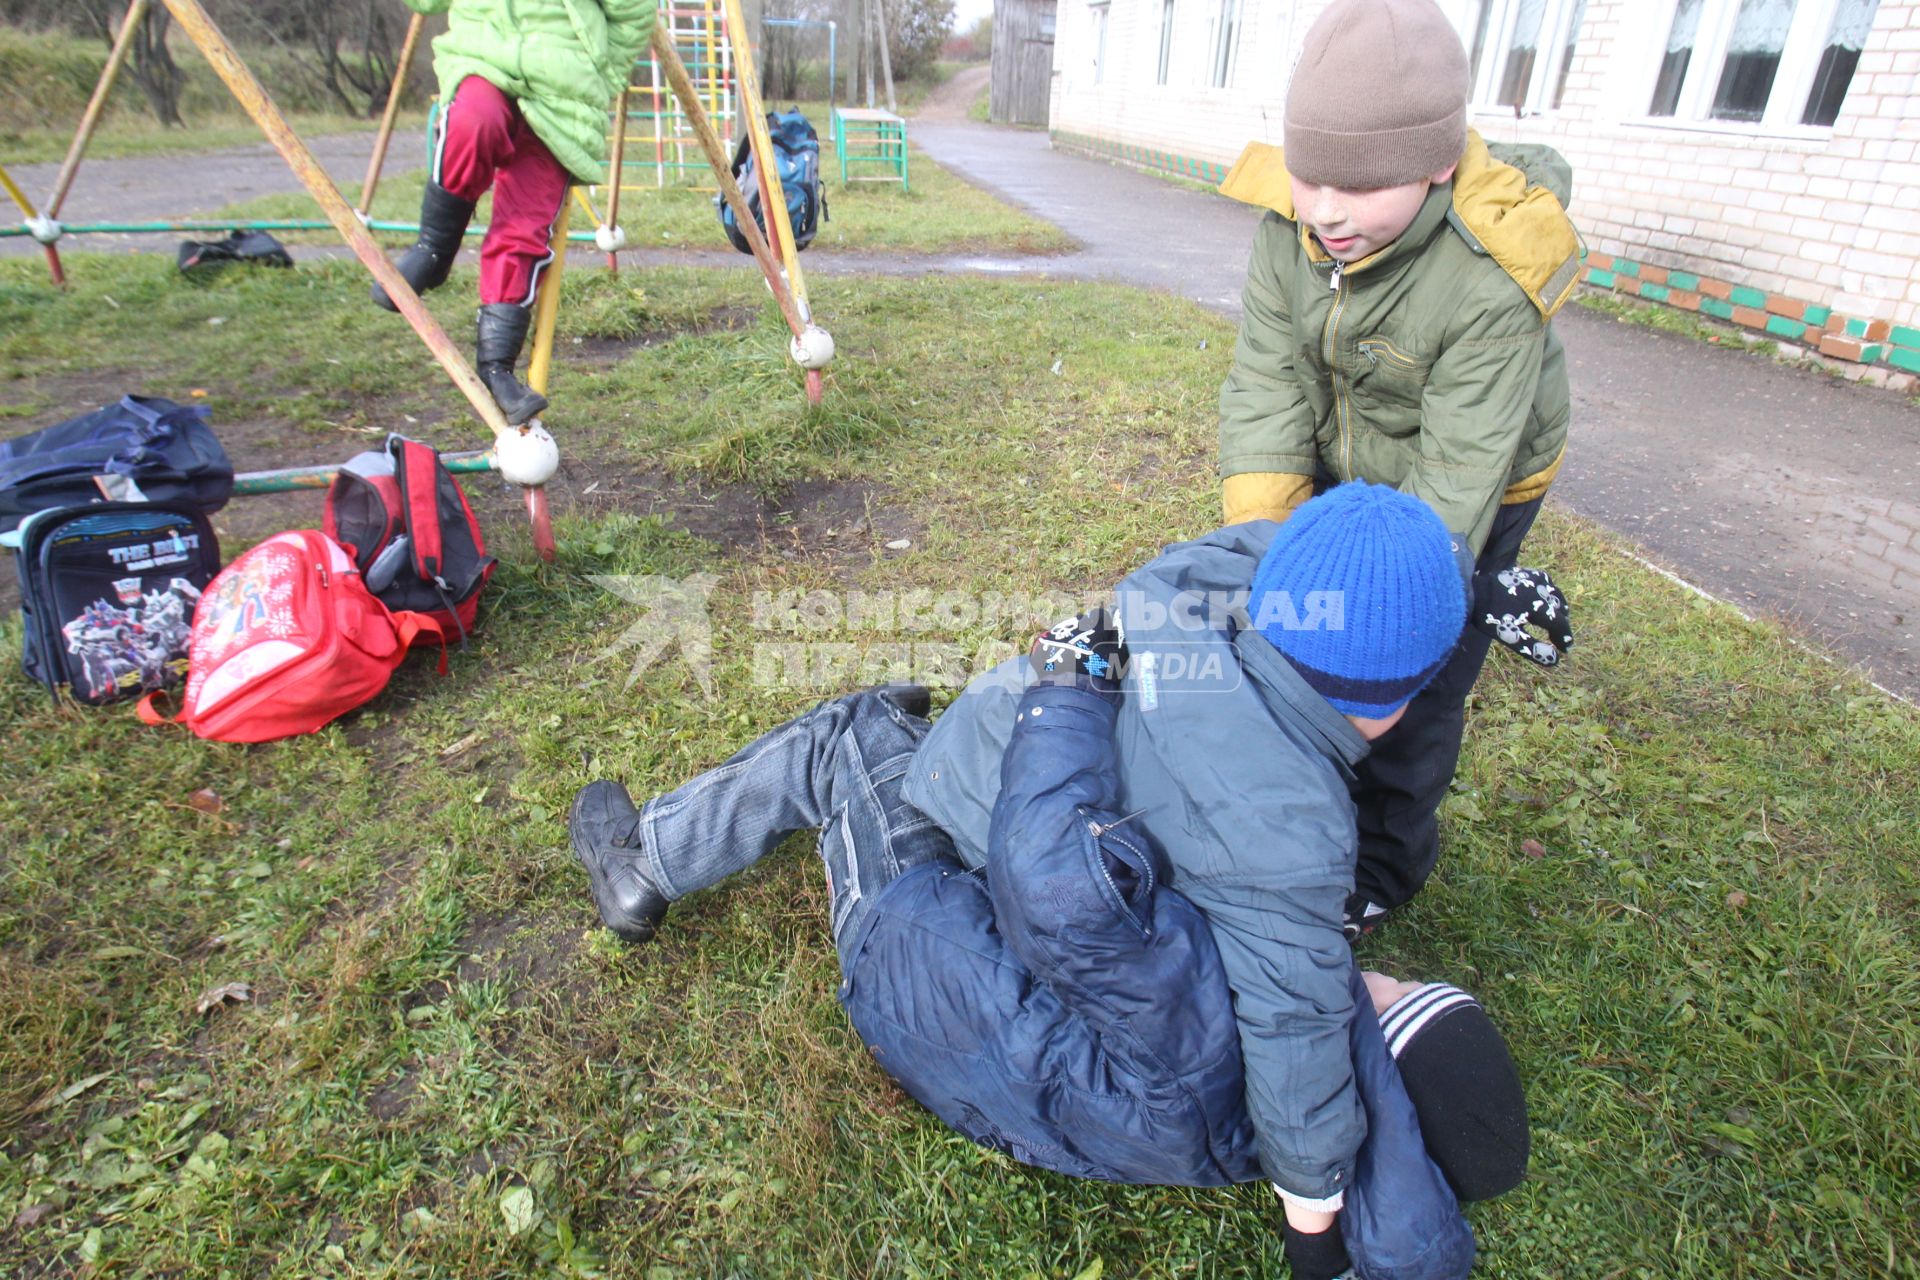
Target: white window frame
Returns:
[[1792, 80], [1163, 47], [1100, 12], [1229, 19], [1502, 17]]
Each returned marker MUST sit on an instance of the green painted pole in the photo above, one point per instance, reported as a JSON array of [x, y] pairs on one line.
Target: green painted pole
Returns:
[[285, 224], [291, 479]]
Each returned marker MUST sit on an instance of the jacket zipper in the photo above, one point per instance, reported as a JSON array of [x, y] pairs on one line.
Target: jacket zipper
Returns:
[[1327, 343]]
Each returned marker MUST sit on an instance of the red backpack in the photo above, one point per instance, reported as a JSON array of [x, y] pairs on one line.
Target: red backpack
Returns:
[[405, 521], [286, 639]]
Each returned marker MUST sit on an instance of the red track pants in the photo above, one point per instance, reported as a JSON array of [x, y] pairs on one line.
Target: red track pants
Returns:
[[485, 142]]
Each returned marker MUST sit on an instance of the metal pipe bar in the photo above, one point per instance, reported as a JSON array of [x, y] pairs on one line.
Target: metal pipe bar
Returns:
[[288, 479], [226, 63], [26, 207], [546, 306], [270, 224], [385, 136], [63, 183]]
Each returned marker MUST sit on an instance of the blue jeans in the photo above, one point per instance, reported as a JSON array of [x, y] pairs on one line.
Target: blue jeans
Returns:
[[840, 768]]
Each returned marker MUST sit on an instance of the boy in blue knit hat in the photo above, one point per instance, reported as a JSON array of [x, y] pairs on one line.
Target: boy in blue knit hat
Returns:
[[1187, 749]]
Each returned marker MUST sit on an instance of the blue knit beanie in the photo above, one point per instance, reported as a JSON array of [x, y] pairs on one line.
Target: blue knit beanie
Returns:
[[1361, 593]]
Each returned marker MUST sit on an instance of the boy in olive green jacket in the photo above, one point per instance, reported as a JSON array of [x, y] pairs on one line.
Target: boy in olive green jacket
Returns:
[[1396, 330]]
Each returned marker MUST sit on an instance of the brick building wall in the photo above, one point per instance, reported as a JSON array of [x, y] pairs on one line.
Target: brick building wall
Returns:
[[1830, 218]]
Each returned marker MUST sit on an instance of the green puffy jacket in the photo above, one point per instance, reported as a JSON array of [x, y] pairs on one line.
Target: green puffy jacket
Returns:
[[1429, 366], [561, 60]]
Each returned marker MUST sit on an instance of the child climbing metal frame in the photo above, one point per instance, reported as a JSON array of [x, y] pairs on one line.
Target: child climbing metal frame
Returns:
[[811, 347]]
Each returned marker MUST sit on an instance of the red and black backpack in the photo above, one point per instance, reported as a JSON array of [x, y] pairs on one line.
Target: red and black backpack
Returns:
[[406, 522]]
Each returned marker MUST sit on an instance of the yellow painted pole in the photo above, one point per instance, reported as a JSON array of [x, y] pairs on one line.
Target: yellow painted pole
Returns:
[[372, 179], [226, 64], [737, 35], [586, 205], [546, 305], [722, 165], [96, 105], [26, 208]]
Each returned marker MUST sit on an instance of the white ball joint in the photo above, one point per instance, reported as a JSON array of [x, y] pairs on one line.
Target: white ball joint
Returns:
[[527, 456], [43, 228], [610, 239], [811, 348]]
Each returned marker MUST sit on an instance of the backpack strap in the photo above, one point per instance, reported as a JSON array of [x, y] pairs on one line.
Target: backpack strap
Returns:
[[417, 468], [148, 714], [419, 505], [410, 626]]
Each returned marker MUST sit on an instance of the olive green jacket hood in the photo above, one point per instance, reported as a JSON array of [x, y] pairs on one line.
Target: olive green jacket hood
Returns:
[[562, 61], [1429, 365]]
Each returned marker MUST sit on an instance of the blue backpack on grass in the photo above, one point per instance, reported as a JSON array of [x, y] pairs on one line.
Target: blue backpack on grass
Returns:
[[796, 152]]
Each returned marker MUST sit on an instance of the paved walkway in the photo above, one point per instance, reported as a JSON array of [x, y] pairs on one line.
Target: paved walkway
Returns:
[[1792, 494]]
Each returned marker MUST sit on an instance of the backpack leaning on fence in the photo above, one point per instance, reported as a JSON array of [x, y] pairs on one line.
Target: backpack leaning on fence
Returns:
[[107, 594], [405, 521], [287, 639], [796, 151]]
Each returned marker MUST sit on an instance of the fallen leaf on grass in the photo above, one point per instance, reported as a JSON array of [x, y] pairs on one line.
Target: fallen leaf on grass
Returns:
[[518, 1209], [236, 992], [206, 800], [69, 1093], [1737, 899], [31, 1215], [1533, 849], [467, 743]]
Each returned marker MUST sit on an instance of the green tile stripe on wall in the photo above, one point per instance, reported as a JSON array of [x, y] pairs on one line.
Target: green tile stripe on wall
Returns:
[[1658, 292], [1715, 307], [1902, 336], [1746, 297], [1604, 279], [1857, 328], [1785, 328], [1904, 358], [1818, 315], [1683, 280], [1626, 267]]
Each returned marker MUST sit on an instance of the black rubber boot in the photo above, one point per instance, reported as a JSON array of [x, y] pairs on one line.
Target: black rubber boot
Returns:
[[443, 220], [604, 830], [502, 332]]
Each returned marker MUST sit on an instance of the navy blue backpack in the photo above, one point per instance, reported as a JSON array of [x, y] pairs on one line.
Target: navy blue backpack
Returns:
[[167, 449], [796, 152]]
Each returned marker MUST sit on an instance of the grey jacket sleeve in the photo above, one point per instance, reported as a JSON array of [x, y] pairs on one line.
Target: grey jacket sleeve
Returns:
[[1287, 962]]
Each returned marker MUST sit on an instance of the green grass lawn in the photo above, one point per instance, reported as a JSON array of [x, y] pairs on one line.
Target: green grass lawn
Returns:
[[939, 214], [1681, 871]]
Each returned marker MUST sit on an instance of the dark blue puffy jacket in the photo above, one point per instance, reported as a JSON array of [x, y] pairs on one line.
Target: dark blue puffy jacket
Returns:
[[1070, 1010]]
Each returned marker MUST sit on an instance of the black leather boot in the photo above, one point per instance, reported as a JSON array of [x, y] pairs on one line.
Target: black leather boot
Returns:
[[443, 220], [502, 332], [604, 830]]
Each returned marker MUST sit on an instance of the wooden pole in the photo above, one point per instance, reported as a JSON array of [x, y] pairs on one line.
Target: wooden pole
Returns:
[[226, 64], [772, 197], [546, 305], [96, 105], [722, 165], [385, 135]]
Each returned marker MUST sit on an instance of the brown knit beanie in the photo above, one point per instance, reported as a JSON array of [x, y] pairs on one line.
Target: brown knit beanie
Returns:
[[1379, 96]]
